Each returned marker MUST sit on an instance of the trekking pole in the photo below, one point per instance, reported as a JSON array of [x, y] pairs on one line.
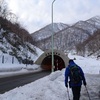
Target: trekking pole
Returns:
[[87, 93], [68, 93]]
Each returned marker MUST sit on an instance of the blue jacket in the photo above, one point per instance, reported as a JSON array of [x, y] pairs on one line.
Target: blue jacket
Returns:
[[67, 74]]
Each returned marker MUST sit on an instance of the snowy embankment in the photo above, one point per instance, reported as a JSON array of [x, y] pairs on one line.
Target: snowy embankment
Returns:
[[52, 86], [9, 65], [89, 65], [7, 70], [10, 69]]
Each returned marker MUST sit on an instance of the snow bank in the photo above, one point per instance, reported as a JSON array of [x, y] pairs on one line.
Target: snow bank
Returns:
[[89, 65], [52, 87]]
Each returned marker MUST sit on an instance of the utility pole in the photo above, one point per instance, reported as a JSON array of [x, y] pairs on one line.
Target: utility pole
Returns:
[[52, 37]]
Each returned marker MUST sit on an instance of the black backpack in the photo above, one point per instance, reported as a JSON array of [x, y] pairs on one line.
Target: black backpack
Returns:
[[75, 74]]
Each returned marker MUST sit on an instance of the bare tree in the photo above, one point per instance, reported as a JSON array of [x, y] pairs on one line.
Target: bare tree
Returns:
[[6, 13], [3, 9], [91, 45], [11, 17]]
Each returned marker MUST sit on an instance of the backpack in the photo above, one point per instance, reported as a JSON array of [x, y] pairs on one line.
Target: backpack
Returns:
[[75, 74]]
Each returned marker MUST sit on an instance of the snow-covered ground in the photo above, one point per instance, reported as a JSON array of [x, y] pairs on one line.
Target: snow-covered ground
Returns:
[[52, 86]]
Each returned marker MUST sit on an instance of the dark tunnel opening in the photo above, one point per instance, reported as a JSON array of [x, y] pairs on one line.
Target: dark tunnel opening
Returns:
[[58, 63]]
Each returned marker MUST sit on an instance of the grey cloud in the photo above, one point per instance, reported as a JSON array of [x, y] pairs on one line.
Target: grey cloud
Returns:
[[35, 14]]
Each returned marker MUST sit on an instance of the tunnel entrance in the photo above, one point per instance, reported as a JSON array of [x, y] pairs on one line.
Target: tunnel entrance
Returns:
[[60, 60], [58, 63]]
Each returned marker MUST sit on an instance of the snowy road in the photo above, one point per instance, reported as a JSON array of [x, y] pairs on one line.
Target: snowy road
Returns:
[[52, 87], [93, 86], [9, 83]]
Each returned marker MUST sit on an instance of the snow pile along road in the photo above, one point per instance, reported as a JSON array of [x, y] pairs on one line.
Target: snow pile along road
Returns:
[[52, 87]]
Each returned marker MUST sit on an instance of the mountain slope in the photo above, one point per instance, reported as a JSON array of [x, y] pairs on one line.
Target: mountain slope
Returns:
[[95, 21], [88, 27], [47, 31], [17, 45], [70, 36], [67, 38], [91, 45]]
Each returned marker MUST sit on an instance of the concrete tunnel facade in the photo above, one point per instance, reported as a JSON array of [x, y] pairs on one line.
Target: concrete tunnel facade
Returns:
[[45, 60]]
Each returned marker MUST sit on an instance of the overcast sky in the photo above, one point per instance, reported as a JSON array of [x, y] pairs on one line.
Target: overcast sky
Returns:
[[35, 14]]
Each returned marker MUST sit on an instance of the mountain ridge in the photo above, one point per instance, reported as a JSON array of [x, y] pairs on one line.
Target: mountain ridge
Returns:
[[70, 36], [46, 31]]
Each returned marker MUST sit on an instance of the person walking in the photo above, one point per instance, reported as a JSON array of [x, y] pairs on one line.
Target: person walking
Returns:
[[76, 76]]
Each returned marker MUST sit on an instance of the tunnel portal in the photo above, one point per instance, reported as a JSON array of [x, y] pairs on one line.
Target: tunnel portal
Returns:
[[45, 60], [58, 63]]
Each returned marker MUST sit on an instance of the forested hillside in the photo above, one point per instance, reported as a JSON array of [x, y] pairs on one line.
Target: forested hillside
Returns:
[[15, 40], [91, 45], [72, 37]]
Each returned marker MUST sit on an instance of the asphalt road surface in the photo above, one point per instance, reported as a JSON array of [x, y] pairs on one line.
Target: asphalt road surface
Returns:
[[9, 83]]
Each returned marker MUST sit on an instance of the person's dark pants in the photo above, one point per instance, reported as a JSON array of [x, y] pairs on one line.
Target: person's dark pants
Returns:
[[76, 92]]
